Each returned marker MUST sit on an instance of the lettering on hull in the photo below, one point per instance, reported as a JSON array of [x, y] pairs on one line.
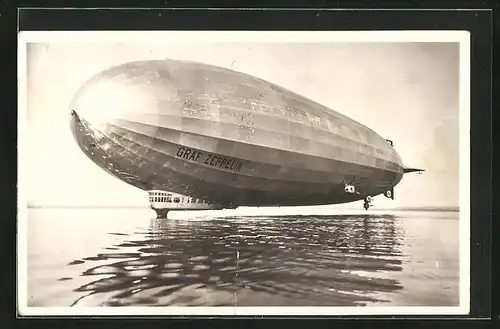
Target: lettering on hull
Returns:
[[209, 159]]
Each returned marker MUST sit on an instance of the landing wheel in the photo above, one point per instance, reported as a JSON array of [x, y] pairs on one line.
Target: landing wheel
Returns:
[[366, 205]]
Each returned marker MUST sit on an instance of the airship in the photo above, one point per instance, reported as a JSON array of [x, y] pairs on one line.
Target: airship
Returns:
[[198, 136]]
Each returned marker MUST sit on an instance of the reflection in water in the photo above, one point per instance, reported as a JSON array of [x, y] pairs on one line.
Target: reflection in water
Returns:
[[249, 261]]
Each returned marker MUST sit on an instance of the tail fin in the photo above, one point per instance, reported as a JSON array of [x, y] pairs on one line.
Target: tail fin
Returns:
[[389, 193], [408, 170]]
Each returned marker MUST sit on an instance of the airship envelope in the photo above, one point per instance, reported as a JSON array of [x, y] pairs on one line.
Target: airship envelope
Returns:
[[213, 133]]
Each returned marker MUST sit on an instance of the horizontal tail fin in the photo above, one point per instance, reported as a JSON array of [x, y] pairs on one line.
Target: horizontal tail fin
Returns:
[[408, 170]]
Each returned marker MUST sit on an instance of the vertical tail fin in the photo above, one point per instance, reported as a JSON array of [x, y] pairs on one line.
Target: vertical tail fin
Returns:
[[389, 193]]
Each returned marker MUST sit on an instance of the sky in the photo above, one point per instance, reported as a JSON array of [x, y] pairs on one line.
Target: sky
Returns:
[[406, 92]]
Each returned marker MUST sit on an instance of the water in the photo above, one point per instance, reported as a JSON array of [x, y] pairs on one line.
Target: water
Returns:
[[123, 257]]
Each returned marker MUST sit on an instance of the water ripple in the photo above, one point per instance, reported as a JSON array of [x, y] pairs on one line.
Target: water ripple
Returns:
[[313, 260]]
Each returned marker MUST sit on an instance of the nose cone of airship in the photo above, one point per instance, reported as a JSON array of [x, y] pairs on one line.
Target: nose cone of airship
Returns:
[[84, 136], [73, 122], [103, 99], [126, 92]]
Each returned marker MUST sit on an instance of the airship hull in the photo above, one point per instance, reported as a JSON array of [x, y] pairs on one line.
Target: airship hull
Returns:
[[221, 135]]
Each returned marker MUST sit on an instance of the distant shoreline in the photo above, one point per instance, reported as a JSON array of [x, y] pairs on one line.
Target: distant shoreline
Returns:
[[85, 207], [429, 208], [424, 208]]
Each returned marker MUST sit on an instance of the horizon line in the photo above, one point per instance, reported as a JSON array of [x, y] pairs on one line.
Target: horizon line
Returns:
[[427, 208]]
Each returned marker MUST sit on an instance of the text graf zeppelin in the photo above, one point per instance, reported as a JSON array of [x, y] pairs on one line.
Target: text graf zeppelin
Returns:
[[210, 159]]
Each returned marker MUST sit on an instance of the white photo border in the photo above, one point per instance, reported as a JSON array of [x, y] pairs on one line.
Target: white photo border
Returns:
[[461, 37]]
